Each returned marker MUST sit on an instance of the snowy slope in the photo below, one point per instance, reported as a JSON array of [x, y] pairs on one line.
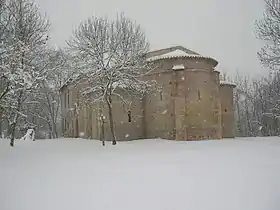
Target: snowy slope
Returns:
[[67, 174]]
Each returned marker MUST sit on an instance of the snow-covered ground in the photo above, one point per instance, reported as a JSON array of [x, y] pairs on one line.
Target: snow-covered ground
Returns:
[[68, 174]]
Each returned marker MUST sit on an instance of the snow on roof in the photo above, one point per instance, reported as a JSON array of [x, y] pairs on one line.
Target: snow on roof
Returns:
[[177, 53], [174, 54], [227, 83], [178, 67]]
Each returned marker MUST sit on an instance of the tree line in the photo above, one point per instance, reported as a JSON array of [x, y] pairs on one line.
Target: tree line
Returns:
[[257, 105], [257, 101]]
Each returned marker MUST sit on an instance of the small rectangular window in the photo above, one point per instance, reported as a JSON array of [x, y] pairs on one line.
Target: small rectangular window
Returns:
[[198, 94], [129, 116], [65, 125], [65, 100], [68, 98]]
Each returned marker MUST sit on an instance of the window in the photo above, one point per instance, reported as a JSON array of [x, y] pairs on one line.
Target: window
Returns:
[[225, 110], [129, 116], [160, 95], [65, 124], [65, 100], [68, 98], [198, 95]]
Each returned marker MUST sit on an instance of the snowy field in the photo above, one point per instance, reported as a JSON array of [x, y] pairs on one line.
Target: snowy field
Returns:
[[68, 174]]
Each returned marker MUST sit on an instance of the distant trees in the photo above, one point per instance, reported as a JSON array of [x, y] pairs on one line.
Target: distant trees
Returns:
[[44, 104], [112, 54], [257, 105], [259, 111]]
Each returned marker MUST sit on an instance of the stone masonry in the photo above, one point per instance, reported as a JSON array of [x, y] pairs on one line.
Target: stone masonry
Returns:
[[191, 104]]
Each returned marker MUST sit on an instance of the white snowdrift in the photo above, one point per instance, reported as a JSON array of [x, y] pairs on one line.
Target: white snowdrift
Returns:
[[68, 174]]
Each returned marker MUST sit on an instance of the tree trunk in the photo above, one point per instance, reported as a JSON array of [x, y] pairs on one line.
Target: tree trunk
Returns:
[[111, 119], [19, 100], [102, 132], [12, 134], [54, 129], [53, 116], [49, 129], [248, 119], [239, 127], [12, 129], [55, 134], [49, 135], [14, 123]]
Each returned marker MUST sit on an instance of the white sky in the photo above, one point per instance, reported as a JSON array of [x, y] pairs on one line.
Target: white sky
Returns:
[[223, 29]]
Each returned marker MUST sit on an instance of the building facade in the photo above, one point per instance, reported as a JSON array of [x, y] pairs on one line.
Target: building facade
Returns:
[[192, 104]]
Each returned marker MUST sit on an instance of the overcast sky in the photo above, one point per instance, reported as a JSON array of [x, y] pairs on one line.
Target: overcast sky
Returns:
[[222, 29]]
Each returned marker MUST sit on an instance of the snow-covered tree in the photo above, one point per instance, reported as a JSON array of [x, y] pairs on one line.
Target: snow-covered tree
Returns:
[[268, 91], [22, 68], [44, 104], [244, 106], [268, 30], [5, 48], [113, 60], [257, 105], [268, 101]]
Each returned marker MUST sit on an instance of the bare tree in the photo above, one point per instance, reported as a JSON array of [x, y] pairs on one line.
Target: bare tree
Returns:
[[5, 48], [244, 99], [27, 35], [269, 98], [257, 105], [113, 60], [268, 30], [44, 106]]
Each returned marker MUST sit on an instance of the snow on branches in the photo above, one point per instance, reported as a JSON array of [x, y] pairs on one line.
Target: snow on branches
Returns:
[[23, 35], [112, 61], [113, 57]]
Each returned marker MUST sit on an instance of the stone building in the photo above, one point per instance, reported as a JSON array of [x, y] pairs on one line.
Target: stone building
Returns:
[[192, 103]]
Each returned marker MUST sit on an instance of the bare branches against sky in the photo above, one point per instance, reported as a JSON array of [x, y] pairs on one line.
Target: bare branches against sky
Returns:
[[219, 28]]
